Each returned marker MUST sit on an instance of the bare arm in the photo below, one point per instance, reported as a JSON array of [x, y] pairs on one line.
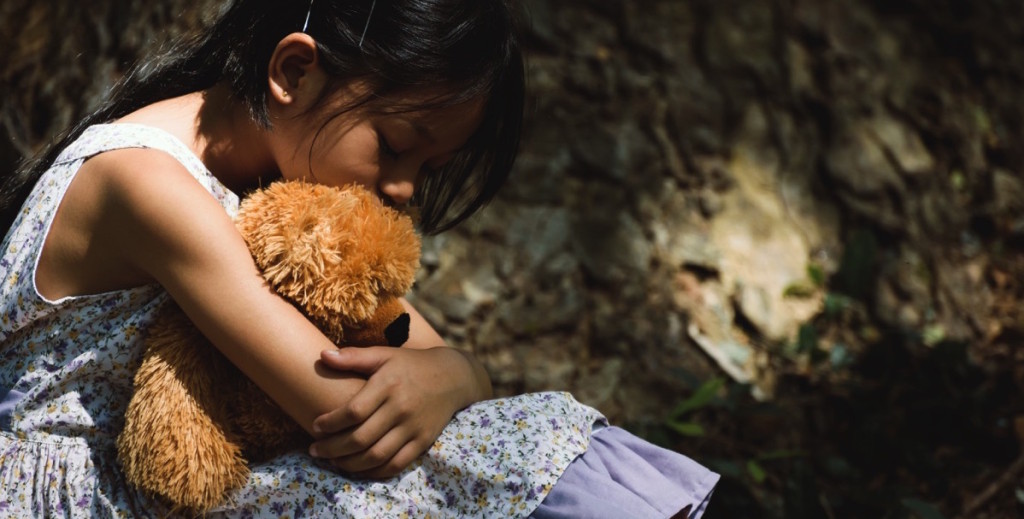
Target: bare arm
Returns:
[[422, 336], [378, 408], [380, 432], [165, 225]]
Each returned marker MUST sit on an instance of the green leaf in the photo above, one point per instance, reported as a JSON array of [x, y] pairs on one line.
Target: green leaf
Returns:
[[781, 454], [727, 468], [836, 303], [957, 179], [799, 290], [806, 339], [933, 334], [686, 428], [839, 467], [921, 509], [856, 274], [817, 275], [756, 471], [700, 398]]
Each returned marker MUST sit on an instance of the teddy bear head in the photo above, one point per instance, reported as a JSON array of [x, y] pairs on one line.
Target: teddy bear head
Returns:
[[339, 255]]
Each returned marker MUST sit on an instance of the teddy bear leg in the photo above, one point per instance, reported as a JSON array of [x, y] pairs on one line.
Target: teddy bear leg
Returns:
[[175, 443], [266, 430]]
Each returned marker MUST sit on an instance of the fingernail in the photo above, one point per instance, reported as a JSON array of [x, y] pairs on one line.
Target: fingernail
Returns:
[[312, 450], [317, 429], [332, 353]]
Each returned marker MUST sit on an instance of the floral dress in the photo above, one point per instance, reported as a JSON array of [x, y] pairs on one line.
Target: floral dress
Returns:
[[66, 373]]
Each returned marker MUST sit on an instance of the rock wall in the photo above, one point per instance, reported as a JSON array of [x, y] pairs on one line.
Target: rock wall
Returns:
[[701, 182], [61, 58]]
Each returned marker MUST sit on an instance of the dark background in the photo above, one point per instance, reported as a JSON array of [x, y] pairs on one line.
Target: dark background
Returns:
[[782, 237]]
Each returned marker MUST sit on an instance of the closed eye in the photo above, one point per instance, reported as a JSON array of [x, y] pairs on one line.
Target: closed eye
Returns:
[[385, 148]]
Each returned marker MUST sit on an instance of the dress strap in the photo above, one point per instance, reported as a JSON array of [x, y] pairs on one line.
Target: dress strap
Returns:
[[106, 137]]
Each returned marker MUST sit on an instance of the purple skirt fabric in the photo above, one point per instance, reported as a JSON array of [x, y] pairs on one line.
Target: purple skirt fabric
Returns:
[[621, 476]]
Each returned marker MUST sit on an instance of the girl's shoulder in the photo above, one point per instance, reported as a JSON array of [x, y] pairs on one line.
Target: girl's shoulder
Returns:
[[123, 196], [142, 152], [130, 176], [148, 189], [72, 231]]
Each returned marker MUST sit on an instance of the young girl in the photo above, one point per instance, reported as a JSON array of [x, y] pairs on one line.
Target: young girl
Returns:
[[419, 100]]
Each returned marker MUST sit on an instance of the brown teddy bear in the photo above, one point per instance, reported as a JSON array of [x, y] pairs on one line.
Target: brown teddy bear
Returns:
[[194, 420]]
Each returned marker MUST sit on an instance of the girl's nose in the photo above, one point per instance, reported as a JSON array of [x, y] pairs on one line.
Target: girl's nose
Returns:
[[399, 187]]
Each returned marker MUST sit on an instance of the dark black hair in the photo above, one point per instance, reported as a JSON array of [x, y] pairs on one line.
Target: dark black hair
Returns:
[[466, 49]]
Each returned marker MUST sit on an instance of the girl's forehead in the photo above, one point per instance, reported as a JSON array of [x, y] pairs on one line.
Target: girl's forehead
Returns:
[[457, 118], [430, 105], [426, 110]]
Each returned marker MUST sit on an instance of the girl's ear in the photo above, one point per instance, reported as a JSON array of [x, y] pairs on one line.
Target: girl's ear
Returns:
[[294, 75]]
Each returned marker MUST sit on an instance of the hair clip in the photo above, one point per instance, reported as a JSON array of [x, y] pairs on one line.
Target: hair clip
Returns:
[[308, 12], [367, 26]]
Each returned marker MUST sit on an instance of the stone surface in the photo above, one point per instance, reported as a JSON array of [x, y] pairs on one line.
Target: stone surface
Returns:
[[685, 167]]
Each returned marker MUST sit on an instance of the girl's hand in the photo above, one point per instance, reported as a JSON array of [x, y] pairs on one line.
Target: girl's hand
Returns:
[[410, 396]]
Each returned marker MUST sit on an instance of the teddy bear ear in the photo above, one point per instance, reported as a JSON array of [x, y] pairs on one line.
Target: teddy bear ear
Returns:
[[379, 254], [390, 246], [334, 252]]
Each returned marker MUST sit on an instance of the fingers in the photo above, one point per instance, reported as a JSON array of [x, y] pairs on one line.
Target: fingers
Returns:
[[357, 438], [359, 409], [375, 449], [394, 417], [365, 360], [379, 454], [382, 444], [399, 462], [368, 399]]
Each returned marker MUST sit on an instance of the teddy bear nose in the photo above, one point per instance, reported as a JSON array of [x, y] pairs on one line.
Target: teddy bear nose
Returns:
[[398, 331]]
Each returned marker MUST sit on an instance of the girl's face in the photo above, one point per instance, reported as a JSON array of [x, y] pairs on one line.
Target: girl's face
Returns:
[[387, 153]]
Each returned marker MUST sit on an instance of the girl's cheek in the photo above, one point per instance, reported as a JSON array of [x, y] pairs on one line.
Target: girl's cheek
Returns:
[[341, 174]]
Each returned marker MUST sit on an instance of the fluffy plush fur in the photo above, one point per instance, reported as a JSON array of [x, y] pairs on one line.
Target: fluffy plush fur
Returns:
[[195, 420]]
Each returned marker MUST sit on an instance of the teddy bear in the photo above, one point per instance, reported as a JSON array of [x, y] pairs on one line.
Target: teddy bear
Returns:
[[194, 421]]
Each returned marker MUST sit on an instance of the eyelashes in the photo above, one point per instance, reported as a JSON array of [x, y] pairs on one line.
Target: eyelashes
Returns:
[[385, 148], [387, 151]]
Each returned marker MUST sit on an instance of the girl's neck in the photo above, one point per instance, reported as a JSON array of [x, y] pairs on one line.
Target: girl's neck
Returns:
[[219, 131], [234, 147]]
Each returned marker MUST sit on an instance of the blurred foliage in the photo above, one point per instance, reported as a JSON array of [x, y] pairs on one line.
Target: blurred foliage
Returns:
[[899, 425], [911, 431]]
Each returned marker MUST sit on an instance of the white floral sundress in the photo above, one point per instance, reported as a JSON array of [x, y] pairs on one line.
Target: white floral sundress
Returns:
[[66, 371]]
